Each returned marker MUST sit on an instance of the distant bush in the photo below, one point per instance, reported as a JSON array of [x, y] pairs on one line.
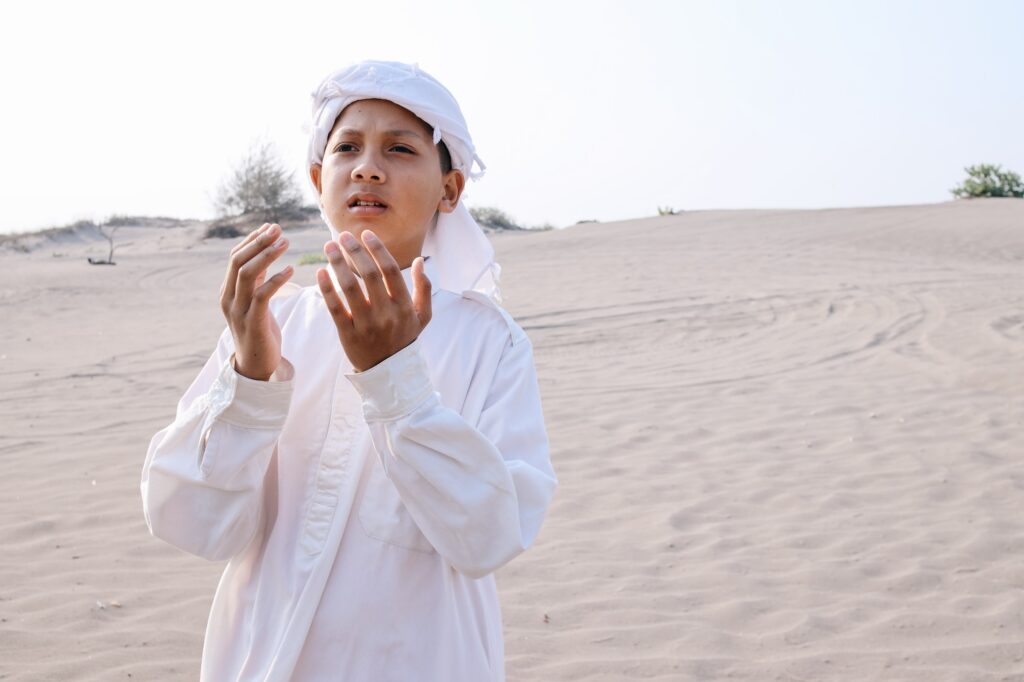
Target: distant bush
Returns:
[[312, 258], [118, 220], [987, 180], [494, 218], [220, 231]]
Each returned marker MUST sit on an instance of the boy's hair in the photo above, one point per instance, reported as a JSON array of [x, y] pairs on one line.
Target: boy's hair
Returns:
[[442, 148], [446, 165], [446, 157], [442, 152]]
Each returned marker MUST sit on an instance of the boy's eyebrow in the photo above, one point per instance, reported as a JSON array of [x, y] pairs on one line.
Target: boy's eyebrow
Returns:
[[392, 133]]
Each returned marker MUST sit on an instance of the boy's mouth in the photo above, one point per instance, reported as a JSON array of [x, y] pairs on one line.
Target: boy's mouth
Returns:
[[366, 205]]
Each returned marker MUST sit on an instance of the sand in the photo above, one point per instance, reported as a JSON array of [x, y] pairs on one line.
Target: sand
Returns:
[[789, 446]]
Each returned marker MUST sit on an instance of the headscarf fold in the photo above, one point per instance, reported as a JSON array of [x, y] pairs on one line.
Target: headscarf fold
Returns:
[[463, 255]]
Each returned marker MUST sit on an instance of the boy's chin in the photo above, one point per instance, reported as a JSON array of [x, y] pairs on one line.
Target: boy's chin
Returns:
[[356, 224]]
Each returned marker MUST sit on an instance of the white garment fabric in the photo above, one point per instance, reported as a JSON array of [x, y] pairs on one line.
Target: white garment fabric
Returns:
[[464, 256], [362, 514]]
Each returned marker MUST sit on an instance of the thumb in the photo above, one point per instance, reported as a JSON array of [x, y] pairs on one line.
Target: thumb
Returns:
[[421, 287]]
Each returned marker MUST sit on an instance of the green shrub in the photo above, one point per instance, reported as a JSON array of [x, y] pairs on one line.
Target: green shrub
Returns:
[[312, 258], [988, 180]]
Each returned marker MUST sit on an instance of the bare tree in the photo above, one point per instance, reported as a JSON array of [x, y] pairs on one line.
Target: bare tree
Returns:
[[259, 184], [108, 232]]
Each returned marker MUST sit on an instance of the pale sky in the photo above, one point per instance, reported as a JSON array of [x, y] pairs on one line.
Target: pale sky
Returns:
[[590, 109]]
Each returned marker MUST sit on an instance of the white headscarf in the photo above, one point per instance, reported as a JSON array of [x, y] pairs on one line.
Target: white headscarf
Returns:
[[461, 252]]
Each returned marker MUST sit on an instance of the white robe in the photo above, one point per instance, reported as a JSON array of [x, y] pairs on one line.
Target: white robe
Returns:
[[362, 514]]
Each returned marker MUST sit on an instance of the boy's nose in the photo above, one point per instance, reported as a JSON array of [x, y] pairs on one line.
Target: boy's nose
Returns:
[[367, 170]]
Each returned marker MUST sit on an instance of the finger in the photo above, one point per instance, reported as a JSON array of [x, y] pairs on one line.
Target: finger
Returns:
[[341, 315], [357, 303], [421, 291], [367, 268], [245, 251], [388, 266], [228, 288], [265, 292], [249, 273], [249, 237]]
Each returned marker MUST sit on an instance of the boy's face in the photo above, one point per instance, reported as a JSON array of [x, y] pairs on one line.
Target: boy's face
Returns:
[[381, 149]]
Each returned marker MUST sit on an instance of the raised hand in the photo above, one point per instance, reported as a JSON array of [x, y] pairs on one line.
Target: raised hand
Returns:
[[386, 319], [244, 300]]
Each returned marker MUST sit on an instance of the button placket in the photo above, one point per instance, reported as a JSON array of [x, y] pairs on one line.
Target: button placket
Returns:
[[335, 466]]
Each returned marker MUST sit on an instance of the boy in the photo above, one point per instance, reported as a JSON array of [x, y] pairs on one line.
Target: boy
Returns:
[[364, 458]]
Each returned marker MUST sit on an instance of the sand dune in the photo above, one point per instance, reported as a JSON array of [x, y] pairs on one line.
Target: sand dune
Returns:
[[789, 446]]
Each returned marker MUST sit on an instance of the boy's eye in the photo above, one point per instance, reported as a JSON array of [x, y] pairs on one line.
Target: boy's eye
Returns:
[[346, 147]]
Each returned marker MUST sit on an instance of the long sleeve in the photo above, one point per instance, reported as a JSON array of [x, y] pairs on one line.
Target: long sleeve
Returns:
[[478, 493], [203, 475]]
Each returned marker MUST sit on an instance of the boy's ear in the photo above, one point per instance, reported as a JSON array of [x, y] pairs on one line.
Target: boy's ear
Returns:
[[454, 183], [314, 175]]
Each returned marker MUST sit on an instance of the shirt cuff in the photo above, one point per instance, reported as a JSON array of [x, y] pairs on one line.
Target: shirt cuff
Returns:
[[395, 386], [253, 403]]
